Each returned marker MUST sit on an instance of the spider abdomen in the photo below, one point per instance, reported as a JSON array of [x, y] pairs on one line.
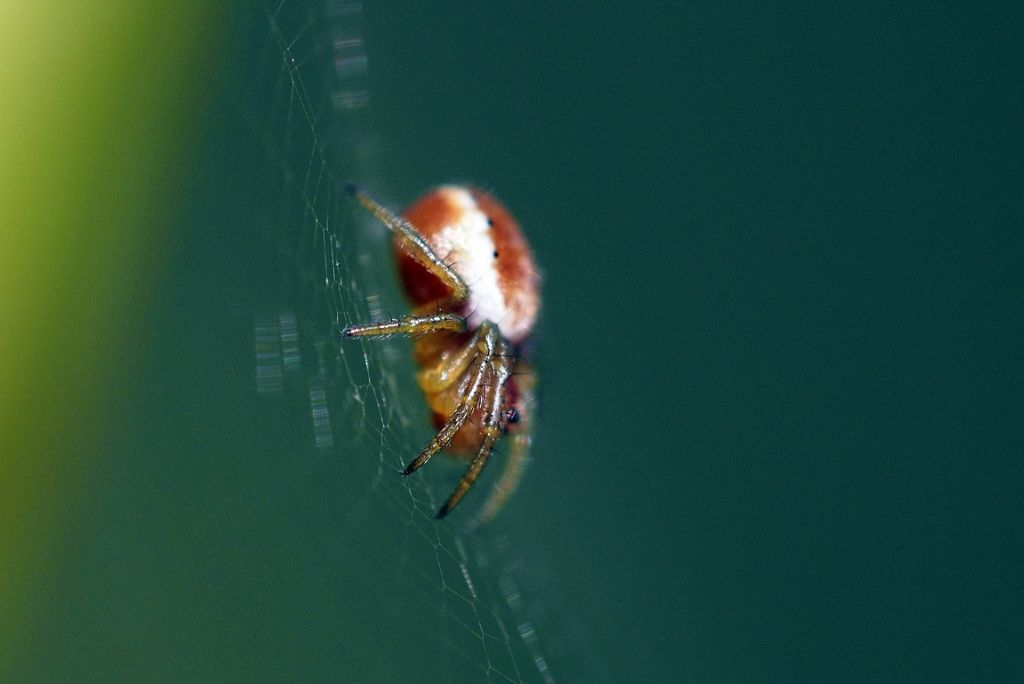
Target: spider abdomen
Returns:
[[481, 241]]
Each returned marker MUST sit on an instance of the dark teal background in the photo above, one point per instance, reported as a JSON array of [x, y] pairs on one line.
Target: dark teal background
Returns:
[[779, 434]]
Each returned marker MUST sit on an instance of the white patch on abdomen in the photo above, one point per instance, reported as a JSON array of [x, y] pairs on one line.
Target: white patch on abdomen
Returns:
[[469, 248]]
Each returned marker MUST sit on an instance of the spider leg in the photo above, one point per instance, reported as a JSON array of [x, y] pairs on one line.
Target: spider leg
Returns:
[[501, 367], [409, 325], [451, 367], [412, 243], [519, 453], [486, 346]]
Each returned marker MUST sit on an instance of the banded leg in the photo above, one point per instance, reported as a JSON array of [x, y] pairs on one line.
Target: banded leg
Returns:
[[518, 455], [501, 367], [486, 346], [408, 325], [412, 243]]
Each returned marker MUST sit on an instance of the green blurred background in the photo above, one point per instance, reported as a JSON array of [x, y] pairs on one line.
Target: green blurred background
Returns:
[[780, 353]]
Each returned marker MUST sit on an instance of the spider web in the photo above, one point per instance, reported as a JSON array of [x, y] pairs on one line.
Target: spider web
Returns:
[[439, 597]]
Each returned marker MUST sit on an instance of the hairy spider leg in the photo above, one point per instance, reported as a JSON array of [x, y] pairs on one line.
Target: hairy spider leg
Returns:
[[412, 243], [501, 370], [408, 325], [487, 347], [519, 453]]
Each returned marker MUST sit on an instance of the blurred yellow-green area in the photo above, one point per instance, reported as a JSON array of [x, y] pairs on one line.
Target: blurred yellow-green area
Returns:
[[98, 101]]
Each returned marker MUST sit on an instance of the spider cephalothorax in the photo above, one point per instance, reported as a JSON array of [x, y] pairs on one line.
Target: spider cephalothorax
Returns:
[[475, 293]]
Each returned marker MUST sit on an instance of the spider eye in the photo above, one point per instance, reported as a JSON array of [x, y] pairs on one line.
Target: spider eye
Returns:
[[512, 416]]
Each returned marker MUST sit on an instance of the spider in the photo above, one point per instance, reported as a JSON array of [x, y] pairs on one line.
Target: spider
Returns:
[[471, 279]]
